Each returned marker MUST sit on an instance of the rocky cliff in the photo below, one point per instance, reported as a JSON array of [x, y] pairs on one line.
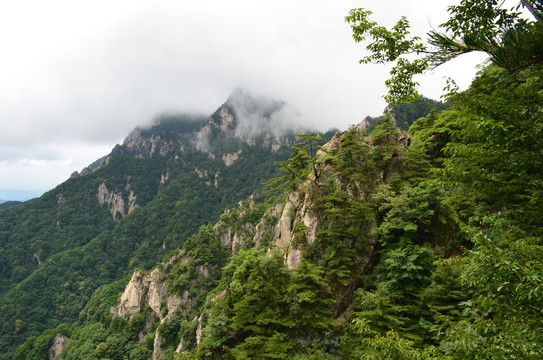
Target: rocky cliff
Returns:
[[158, 298]]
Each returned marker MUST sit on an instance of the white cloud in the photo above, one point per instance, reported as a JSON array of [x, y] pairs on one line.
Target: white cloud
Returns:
[[46, 165]]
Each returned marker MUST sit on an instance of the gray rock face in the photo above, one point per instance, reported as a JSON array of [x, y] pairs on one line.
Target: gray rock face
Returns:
[[133, 297], [149, 290], [146, 146], [234, 236], [59, 342], [229, 159], [115, 201]]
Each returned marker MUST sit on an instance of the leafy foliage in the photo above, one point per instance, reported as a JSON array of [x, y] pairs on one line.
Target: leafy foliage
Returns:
[[474, 25], [253, 315], [295, 170], [391, 46], [482, 161]]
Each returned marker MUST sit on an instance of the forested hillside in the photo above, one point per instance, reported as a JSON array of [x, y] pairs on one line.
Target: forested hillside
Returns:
[[387, 244], [131, 208]]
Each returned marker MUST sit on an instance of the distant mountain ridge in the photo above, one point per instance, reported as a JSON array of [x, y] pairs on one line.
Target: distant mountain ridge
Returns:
[[4, 204]]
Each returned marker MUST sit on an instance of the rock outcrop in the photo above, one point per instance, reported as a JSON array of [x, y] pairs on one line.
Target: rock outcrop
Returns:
[[98, 164], [229, 159], [233, 232], [154, 295], [297, 209], [147, 146], [299, 217], [116, 202], [59, 343], [150, 291]]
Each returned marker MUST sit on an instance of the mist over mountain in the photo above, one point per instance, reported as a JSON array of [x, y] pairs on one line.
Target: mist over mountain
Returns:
[[257, 115]]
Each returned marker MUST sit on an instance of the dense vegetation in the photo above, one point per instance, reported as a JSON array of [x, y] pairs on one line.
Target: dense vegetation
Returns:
[[7, 204], [428, 245]]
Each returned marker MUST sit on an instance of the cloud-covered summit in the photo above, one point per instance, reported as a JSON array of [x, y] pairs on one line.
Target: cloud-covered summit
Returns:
[[256, 115]]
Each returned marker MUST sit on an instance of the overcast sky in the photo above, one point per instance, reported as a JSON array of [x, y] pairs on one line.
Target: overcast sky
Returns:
[[77, 76]]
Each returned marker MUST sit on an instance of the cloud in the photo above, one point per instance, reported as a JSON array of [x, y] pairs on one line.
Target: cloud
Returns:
[[257, 114], [95, 73], [45, 165]]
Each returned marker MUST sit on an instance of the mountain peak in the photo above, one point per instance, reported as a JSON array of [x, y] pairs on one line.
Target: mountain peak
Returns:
[[244, 117], [251, 119]]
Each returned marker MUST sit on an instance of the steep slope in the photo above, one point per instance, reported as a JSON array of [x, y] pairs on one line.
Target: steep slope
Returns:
[[128, 210]]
